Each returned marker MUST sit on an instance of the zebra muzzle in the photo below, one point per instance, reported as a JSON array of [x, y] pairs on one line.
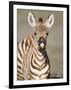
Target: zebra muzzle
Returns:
[[42, 45]]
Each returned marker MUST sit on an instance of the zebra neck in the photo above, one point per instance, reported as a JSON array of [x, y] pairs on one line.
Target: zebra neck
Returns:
[[43, 51], [44, 54]]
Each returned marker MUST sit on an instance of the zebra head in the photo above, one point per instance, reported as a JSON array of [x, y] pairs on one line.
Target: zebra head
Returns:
[[40, 29]]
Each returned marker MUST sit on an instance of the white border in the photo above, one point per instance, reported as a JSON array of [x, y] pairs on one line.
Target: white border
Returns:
[[64, 45]]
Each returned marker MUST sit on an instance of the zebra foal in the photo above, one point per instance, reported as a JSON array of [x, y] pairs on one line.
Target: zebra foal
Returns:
[[32, 58]]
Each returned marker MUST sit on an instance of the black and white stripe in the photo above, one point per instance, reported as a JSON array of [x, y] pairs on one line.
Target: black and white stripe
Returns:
[[31, 64], [39, 67]]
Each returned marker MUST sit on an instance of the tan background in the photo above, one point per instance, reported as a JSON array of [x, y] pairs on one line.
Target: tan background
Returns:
[[54, 40]]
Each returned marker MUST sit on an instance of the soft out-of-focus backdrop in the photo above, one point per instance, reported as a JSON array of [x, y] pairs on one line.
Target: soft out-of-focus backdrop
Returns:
[[54, 39]]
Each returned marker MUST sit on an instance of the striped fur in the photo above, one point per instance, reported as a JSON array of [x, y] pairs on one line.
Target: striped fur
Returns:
[[31, 64]]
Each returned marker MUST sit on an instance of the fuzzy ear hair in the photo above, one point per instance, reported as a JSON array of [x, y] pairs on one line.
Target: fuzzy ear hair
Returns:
[[31, 19], [49, 22]]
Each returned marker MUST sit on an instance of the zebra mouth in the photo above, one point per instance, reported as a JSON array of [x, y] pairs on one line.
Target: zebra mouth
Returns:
[[42, 45]]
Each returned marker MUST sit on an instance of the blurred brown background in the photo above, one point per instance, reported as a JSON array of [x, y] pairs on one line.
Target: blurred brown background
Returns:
[[54, 39]]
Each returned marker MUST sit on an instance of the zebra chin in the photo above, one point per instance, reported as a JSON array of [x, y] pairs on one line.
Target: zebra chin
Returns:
[[42, 50]]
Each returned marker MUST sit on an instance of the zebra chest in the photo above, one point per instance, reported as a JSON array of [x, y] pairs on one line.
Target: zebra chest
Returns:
[[38, 68]]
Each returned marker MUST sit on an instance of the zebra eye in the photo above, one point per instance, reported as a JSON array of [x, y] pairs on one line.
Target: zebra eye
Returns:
[[35, 33], [46, 33]]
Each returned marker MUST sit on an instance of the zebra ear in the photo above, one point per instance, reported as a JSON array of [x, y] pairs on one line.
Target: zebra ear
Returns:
[[49, 22], [31, 19]]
